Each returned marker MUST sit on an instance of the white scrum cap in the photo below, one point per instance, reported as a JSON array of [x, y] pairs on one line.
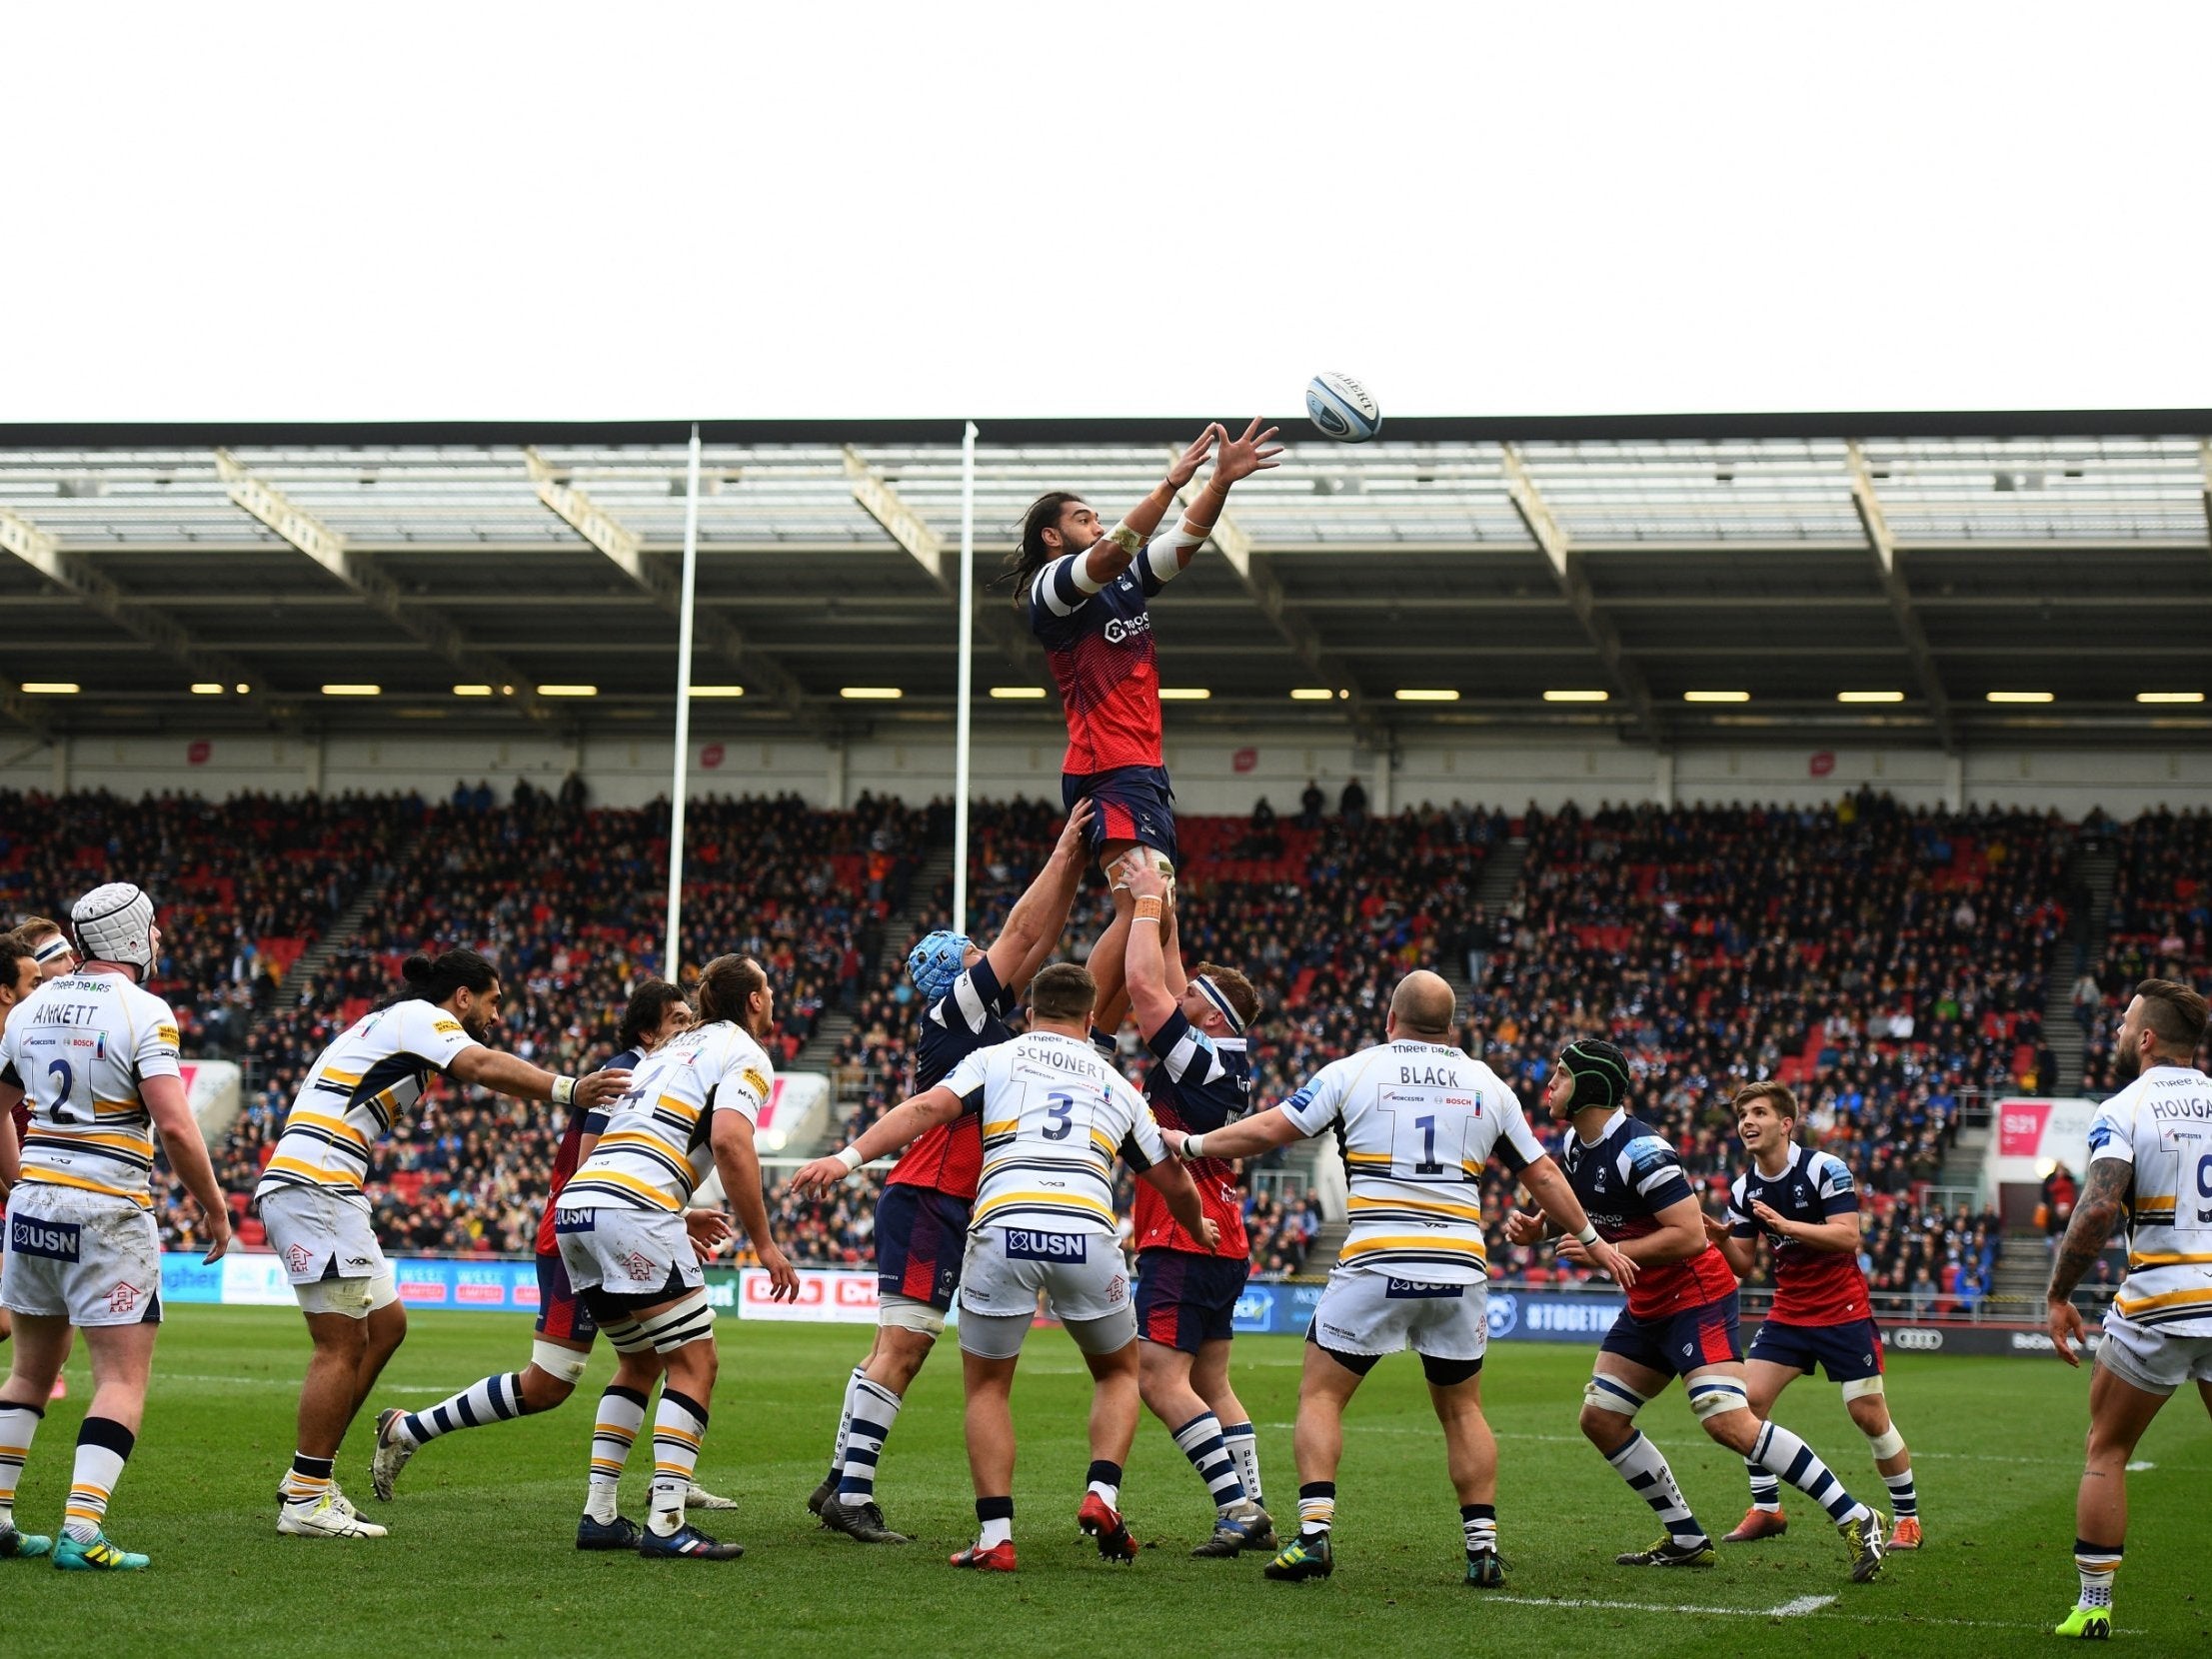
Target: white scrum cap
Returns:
[[115, 922]]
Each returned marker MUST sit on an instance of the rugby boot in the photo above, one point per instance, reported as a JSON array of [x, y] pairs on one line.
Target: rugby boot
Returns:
[[1485, 1571], [998, 1558], [618, 1533], [1862, 1537], [1670, 1552], [1758, 1523], [2090, 1624], [686, 1543], [861, 1521], [23, 1547], [1240, 1528], [700, 1498], [1309, 1555], [1101, 1522], [325, 1520], [394, 1448], [820, 1495], [1905, 1534], [99, 1556]]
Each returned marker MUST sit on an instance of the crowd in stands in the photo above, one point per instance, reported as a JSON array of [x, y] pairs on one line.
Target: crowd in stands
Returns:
[[2160, 927], [245, 884], [570, 903], [1886, 962]]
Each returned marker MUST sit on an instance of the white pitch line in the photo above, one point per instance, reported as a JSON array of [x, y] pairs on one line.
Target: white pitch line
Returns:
[[1787, 1610], [285, 1382]]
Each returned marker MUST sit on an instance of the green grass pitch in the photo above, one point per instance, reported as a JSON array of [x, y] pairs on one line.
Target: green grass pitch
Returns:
[[481, 1556]]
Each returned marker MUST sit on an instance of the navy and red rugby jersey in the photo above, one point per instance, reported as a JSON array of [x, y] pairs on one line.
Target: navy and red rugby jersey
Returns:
[[1103, 661], [1811, 1287], [1200, 1083], [949, 1158], [1626, 1178]]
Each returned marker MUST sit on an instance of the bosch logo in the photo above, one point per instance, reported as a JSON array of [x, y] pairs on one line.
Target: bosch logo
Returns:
[[1503, 1315], [1127, 628], [1916, 1340]]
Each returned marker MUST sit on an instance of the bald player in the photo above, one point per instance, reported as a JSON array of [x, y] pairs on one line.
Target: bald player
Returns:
[[1418, 1121]]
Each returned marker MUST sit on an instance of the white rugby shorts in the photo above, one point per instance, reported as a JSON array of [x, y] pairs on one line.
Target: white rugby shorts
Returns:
[[320, 1234], [1081, 1274], [1365, 1312], [2156, 1361], [89, 1258], [625, 1252]]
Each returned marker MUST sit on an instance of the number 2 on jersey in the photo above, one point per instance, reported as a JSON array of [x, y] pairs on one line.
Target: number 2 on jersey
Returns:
[[64, 1106]]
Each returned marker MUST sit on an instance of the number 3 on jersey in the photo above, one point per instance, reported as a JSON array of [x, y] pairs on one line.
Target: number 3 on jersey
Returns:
[[1059, 1116]]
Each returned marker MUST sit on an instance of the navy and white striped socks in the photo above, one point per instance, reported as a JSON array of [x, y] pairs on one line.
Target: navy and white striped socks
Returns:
[[493, 1399], [1200, 1440], [875, 1409], [1644, 1469], [1780, 1452]]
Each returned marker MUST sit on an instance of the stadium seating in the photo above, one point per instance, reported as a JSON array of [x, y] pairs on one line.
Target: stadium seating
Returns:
[[1883, 962], [2160, 924]]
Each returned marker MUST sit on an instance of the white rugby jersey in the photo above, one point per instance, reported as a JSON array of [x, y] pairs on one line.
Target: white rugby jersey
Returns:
[[78, 1047], [1417, 1121], [378, 1068], [1055, 1116], [2161, 1125], [656, 1146]]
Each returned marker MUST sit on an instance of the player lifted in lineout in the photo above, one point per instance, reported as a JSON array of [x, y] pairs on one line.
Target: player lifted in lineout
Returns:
[[2150, 1156], [967, 992], [1681, 1321], [1805, 1204], [1083, 590]]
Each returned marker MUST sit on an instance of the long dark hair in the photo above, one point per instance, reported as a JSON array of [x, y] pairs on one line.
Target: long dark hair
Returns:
[[649, 1005], [726, 985], [1030, 555], [431, 980]]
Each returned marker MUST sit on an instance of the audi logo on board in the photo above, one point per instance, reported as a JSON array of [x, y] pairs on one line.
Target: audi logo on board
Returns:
[[1916, 1340]]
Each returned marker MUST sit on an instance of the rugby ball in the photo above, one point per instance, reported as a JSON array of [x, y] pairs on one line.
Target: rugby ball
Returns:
[[1342, 408]]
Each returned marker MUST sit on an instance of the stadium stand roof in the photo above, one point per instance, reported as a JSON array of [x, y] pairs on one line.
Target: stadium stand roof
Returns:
[[1716, 577]]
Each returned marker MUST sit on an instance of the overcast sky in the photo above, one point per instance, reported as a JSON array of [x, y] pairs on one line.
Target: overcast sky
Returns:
[[476, 211]]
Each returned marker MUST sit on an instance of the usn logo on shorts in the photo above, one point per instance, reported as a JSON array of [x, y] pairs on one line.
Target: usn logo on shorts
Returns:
[[55, 1240], [1027, 1244]]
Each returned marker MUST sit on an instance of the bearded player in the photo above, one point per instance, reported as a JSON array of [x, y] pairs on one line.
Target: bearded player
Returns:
[[1083, 591], [1805, 1204], [1681, 1321]]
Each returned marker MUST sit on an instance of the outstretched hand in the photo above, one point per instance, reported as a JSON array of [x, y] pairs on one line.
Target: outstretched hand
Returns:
[[1186, 466], [1072, 841], [1242, 457]]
